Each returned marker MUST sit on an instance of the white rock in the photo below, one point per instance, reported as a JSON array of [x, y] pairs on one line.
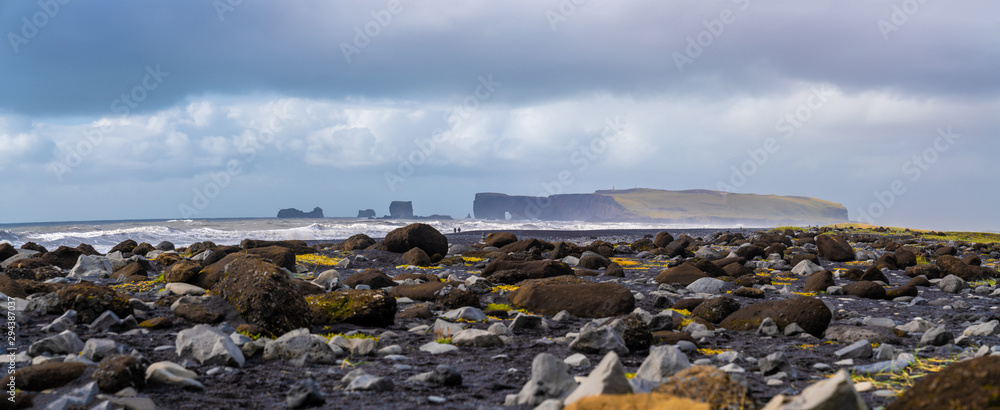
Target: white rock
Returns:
[[836, 392], [437, 348], [91, 267], [477, 338], [184, 289], [607, 378], [172, 373], [209, 346]]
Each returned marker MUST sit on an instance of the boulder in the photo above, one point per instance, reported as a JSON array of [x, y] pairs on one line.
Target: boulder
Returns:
[[951, 265], [836, 392], [968, 384], [930, 271], [11, 288], [550, 379], [662, 362], [198, 314], [125, 247], [6, 251], [278, 255], [505, 271], [594, 261], [416, 257], [476, 338], [297, 343], [717, 309], [173, 374], [607, 378], [182, 271], [119, 372], [818, 281], [91, 267], [500, 239], [662, 239], [416, 235], [636, 402], [834, 248], [865, 289], [374, 278], [684, 274], [359, 307], [904, 258], [263, 294], [209, 347], [710, 385], [579, 297], [809, 313], [599, 340], [873, 273], [49, 375], [356, 242], [90, 301]]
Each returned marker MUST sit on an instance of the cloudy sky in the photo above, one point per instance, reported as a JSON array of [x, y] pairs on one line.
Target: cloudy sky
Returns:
[[123, 110]]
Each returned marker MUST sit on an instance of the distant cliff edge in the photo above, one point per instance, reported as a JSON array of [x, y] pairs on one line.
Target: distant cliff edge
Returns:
[[653, 205], [295, 213]]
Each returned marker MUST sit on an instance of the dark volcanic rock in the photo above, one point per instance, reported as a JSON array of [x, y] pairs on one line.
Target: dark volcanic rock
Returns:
[[615, 270], [277, 255], [969, 384], [31, 246], [45, 376], [263, 294], [125, 247], [118, 372], [416, 235], [6, 251], [809, 313], [930, 271], [295, 213], [525, 245], [297, 247], [198, 314], [89, 301], [951, 265], [11, 288], [684, 274], [578, 296], [502, 271], [182, 271], [356, 242], [905, 258], [873, 273], [865, 289], [374, 278], [416, 257], [500, 239], [716, 309], [662, 239], [835, 248], [819, 281], [359, 307], [401, 209]]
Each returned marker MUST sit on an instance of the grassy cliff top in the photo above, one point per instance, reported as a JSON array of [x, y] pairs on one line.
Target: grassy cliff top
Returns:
[[699, 203]]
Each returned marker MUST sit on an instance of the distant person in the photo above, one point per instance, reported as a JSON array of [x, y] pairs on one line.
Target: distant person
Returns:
[[459, 229]]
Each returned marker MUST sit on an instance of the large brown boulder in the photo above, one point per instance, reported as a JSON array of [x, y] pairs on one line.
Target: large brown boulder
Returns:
[[684, 274], [278, 255], [929, 270], [819, 281], [263, 294], [119, 372], [211, 274], [416, 235], [90, 301], [11, 288], [374, 278], [905, 258], [809, 313], [865, 289], [296, 246], [359, 307], [446, 294], [416, 257], [182, 271], [951, 265], [6, 251], [525, 245], [49, 375], [500, 239], [579, 297], [968, 384], [125, 247], [716, 309], [662, 239], [834, 248], [356, 242], [505, 271], [873, 273]]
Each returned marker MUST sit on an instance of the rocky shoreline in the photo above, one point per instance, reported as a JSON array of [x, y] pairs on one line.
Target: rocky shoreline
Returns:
[[851, 318]]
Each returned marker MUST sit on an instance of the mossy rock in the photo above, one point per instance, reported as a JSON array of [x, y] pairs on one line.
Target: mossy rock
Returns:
[[969, 384], [360, 307], [90, 301], [263, 294]]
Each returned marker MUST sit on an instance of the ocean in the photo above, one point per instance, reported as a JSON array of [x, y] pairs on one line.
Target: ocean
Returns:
[[103, 235]]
